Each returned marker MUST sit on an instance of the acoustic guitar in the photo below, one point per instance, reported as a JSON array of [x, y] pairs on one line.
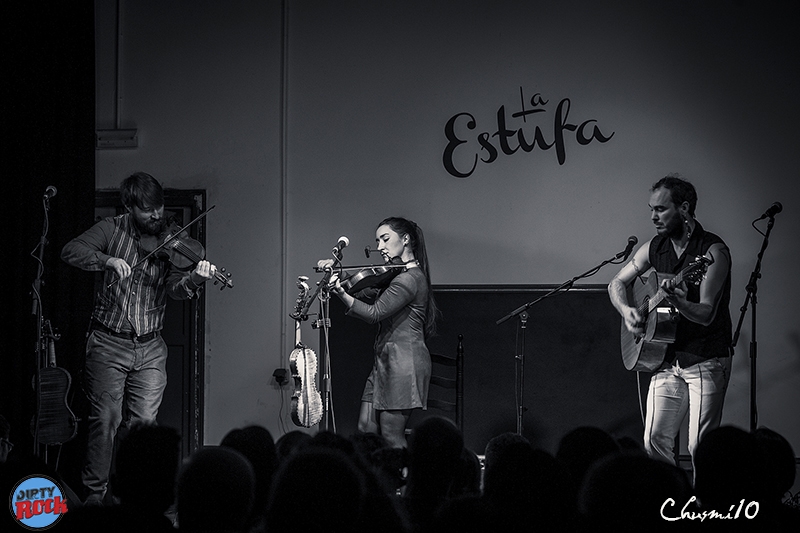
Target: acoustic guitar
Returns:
[[646, 352]]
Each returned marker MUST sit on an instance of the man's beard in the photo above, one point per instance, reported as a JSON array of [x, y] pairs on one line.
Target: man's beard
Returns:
[[675, 228], [151, 227]]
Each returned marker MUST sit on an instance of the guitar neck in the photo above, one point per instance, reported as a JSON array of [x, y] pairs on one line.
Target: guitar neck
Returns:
[[659, 296]]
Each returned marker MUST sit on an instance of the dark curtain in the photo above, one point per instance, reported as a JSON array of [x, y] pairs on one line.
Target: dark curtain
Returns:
[[47, 125]]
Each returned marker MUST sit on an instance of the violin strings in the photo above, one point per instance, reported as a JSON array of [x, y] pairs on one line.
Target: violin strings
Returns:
[[188, 252], [185, 250]]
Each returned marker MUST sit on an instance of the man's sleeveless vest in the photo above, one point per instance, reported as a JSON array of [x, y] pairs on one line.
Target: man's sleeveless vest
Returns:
[[693, 342]]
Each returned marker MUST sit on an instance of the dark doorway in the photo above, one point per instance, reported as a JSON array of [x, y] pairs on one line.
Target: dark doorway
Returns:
[[182, 407]]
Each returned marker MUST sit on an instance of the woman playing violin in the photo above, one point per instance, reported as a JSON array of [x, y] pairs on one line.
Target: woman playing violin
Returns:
[[405, 313]]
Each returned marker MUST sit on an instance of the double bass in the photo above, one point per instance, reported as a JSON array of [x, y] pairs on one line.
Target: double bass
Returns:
[[306, 399]]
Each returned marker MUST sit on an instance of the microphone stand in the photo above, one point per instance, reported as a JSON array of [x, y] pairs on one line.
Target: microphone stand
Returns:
[[37, 311], [752, 296], [324, 324], [523, 315]]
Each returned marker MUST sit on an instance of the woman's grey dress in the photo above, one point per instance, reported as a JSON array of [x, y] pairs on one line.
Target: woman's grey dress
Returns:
[[402, 369]]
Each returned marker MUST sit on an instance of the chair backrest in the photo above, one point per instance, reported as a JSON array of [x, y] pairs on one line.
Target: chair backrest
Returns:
[[447, 374]]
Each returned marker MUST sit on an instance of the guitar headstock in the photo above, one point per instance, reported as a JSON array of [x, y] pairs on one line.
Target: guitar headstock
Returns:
[[697, 269]]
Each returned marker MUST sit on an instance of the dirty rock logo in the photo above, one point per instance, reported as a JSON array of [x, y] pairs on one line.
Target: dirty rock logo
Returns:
[[37, 503]]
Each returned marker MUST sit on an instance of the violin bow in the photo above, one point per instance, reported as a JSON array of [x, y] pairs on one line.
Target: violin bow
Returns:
[[362, 267]]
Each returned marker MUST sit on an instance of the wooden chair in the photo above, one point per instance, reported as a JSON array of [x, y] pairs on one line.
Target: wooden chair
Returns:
[[447, 380]]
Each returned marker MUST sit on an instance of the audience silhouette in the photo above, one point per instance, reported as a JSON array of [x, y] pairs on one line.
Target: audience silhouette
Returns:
[[257, 445], [523, 485], [778, 476], [578, 450], [434, 459], [741, 474], [291, 443], [147, 462], [626, 491], [317, 489], [216, 490], [327, 482]]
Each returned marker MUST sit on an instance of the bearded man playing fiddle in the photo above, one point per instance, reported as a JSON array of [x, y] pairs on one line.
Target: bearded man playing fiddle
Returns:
[[125, 368]]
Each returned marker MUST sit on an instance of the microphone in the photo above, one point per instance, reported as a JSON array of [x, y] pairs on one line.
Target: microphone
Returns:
[[50, 191], [343, 242], [368, 250], [632, 240], [773, 210]]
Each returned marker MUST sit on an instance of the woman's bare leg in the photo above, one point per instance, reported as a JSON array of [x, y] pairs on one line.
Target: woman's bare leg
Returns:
[[367, 421], [393, 426]]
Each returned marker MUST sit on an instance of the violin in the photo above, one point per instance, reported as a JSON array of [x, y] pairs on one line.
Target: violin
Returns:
[[183, 252], [372, 276], [306, 399], [54, 422], [377, 277]]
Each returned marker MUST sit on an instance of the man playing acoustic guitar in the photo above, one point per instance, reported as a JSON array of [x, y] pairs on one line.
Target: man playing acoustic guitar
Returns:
[[695, 370]]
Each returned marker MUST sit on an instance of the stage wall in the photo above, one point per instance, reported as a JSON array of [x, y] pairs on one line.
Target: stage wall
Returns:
[[305, 121]]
